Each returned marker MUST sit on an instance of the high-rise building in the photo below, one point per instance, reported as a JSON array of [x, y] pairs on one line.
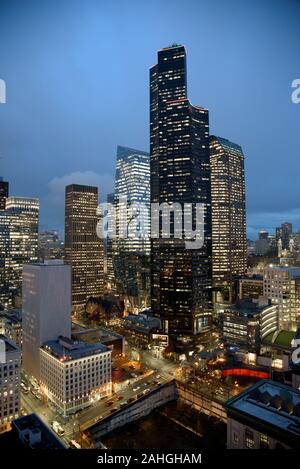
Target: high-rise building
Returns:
[[229, 242], [282, 287], [83, 248], [180, 173], [108, 245], [10, 364], [46, 309], [3, 193], [131, 249], [19, 242]]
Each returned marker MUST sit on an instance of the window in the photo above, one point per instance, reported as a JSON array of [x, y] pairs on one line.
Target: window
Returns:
[[249, 439], [264, 441], [235, 437]]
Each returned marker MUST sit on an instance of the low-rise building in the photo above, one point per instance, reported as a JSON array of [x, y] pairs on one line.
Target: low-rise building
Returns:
[[141, 326], [34, 434], [115, 342], [10, 363], [247, 322], [74, 373], [265, 416]]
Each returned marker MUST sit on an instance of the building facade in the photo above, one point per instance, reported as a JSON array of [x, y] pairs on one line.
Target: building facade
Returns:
[[246, 323], [131, 248], [74, 374], [265, 416], [229, 242], [10, 364], [282, 287], [251, 287], [46, 309], [83, 248], [19, 240], [180, 174]]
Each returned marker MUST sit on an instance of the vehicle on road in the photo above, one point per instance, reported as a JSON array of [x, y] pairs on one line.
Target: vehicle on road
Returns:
[[146, 391], [74, 445], [109, 403], [120, 398], [58, 428], [136, 389]]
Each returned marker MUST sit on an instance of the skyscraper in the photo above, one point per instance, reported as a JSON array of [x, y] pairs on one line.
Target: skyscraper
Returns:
[[3, 193], [19, 242], [46, 309], [132, 246], [180, 173], [229, 242], [83, 248]]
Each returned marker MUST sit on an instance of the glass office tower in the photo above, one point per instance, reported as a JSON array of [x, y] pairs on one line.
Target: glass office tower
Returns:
[[229, 243], [131, 249], [180, 173]]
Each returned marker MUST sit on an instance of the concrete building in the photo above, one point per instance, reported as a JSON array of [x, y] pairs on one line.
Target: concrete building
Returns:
[[10, 363], [246, 323], [115, 342], [282, 287], [265, 416], [83, 249], [46, 309], [74, 373], [32, 433]]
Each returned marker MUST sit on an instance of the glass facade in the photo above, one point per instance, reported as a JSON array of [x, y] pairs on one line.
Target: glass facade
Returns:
[[229, 242], [180, 173]]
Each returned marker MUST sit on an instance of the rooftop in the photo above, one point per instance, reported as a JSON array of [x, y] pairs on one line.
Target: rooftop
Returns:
[[35, 426], [248, 307], [280, 338], [270, 404], [65, 349], [10, 346]]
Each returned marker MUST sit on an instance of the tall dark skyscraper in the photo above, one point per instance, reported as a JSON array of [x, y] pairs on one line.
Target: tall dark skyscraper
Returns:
[[3, 193], [284, 233], [229, 242], [180, 173], [83, 248]]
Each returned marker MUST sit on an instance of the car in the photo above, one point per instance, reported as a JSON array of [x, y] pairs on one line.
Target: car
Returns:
[[120, 398], [131, 399], [58, 428], [123, 404], [139, 395], [146, 391], [74, 445], [136, 389], [109, 403], [113, 410]]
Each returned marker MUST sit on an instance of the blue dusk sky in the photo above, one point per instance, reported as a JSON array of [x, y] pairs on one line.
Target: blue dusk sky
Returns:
[[76, 73]]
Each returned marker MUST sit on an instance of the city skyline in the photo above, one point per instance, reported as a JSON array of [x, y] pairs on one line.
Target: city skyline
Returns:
[[253, 90]]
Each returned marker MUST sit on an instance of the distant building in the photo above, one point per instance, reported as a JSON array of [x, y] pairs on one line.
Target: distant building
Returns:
[[4, 187], [282, 287], [73, 373], [83, 248], [265, 416], [50, 246], [32, 433], [113, 341], [11, 325], [46, 309], [229, 244], [246, 323], [284, 233], [251, 287], [263, 234], [10, 364], [108, 246]]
